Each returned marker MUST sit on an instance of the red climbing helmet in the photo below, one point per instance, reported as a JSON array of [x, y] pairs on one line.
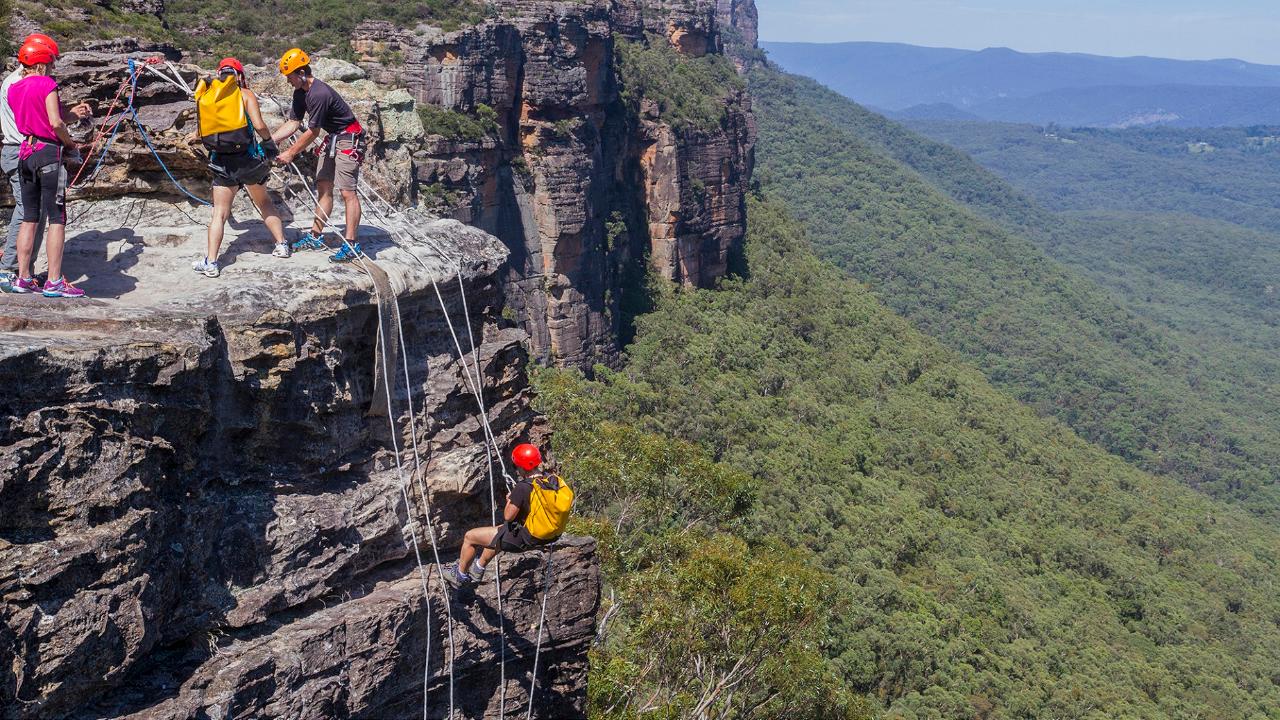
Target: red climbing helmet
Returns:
[[231, 63], [526, 457], [33, 53], [42, 39]]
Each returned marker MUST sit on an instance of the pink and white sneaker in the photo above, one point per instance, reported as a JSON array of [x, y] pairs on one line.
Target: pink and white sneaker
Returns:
[[61, 288], [26, 285]]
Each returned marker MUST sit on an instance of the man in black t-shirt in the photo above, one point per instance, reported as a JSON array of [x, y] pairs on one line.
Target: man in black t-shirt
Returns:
[[512, 536], [342, 152]]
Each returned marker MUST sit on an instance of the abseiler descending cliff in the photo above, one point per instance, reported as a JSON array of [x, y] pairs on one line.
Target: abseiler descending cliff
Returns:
[[203, 512], [587, 193]]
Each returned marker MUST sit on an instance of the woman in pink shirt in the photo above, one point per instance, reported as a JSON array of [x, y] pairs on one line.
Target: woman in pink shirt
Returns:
[[38, 114]]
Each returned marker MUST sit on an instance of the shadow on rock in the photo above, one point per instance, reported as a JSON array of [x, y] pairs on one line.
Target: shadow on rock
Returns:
[[98, 262]]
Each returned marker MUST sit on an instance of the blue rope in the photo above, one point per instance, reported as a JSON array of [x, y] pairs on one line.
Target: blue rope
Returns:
[[103, 155], [133, 111]]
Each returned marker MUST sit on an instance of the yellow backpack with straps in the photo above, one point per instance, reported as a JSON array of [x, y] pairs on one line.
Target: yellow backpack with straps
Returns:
[[224, 125], [550, 502]]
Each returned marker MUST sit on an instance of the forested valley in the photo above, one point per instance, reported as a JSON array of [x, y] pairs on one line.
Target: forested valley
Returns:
[[990, 272], [911, 463], [793, 483]]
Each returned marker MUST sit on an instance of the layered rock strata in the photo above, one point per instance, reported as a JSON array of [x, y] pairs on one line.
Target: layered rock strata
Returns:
[[210, 489], [588, 194]]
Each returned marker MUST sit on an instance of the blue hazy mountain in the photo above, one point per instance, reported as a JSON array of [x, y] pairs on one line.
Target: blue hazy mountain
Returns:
[[1003, 84]]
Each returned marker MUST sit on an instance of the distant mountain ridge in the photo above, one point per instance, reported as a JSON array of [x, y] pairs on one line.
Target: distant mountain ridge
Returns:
[[1011, 86]]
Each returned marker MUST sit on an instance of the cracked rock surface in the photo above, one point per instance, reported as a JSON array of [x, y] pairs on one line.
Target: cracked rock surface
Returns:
[[203, 512]]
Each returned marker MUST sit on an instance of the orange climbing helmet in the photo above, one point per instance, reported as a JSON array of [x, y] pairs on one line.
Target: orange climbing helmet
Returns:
[[526, 457], [33, 53], [42, 39], [293, 59]]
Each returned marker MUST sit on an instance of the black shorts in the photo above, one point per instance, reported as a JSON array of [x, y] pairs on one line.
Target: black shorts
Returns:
[[44, 185], [238, 169], [513, 537]]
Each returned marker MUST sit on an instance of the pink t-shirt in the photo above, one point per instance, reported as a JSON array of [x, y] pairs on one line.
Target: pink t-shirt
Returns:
[[27, 98]]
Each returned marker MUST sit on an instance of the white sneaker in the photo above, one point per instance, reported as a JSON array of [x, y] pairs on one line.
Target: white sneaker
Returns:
[[281, 251], [206, 266]]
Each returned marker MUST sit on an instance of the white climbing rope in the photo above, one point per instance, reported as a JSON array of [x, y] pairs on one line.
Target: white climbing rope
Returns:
[[474, 380], [542, 616], [409, 504], [473, 368], [491, 444]]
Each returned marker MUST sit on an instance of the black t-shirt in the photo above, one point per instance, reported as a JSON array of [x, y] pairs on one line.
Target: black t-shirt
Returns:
[[519, 496], [323, 107]]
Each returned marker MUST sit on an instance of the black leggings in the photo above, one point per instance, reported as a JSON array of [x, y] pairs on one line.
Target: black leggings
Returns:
[[44, 186]]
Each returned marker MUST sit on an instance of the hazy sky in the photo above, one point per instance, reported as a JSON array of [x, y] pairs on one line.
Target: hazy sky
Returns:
[[1246, 29]]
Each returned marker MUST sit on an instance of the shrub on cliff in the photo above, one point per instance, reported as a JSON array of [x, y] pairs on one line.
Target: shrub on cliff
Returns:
[[691, 93], [255, 32], [456, 125]]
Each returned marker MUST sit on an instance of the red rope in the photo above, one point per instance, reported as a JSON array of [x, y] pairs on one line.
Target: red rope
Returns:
[[103, 132]]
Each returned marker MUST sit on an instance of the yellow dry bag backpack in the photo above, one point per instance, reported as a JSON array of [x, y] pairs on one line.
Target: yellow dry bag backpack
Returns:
[[549, 504], [224, 126]]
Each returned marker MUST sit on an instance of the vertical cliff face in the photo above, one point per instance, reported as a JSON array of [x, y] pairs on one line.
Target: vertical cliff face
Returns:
[[204, 512], [212, 501], [588, 191]]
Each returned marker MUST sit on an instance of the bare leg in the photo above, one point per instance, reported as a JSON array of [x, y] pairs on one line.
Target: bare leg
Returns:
[[222, 197], [351, 202], [55, 240], [26, 243], [324, 188], [475, 539], [270, 216]]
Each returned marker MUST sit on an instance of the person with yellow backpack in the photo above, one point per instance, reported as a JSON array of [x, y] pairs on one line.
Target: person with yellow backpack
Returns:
[[536, 514], [228, 114]]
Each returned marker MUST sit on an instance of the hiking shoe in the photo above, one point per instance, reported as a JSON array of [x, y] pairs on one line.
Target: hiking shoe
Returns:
[[348, 252], [477, 571], [206, 266], [6, 282], [282, 250], [25, 285], [456, 577], [60, 288], [310, 241]]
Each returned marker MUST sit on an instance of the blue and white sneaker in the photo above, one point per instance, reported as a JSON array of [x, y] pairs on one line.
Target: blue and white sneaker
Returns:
[[309, 241], [6, 282], [206, 267], [348, 252]]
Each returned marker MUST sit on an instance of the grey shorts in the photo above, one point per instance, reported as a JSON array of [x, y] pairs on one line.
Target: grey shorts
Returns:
[[343, 168]]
